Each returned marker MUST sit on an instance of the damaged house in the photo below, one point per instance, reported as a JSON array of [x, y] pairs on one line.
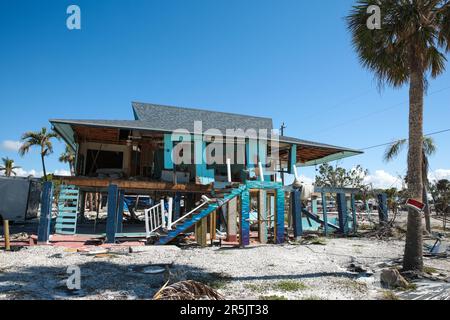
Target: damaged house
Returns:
[[207, 172]]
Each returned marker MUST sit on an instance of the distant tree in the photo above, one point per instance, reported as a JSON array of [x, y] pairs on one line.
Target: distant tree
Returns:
[[339, 177], [440, 192], [8, 167], [68, 156], [428, 149], [392, 200], [41, 139]]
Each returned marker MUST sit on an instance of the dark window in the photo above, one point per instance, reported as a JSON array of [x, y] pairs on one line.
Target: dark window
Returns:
[[124, 134], [103, 160]]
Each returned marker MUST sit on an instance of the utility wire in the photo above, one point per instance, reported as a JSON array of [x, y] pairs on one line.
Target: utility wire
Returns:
[[377, 112], [389, 143]]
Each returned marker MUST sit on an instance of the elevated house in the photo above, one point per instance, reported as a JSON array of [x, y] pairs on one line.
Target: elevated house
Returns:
[[209, 164]]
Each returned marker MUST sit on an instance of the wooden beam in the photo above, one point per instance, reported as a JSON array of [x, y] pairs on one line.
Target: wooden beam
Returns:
[[97, 183], [46, 213], [201, 228]]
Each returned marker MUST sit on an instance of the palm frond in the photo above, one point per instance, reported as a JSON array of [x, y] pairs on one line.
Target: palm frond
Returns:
[[429, 146], [387, 51], [24, 148], [394, 149], [187, 290]]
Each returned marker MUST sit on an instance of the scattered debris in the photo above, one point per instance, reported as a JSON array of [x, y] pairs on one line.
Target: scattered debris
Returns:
[[383, 232], [391, 278], [313, 239], [187, 290], [389, 295]]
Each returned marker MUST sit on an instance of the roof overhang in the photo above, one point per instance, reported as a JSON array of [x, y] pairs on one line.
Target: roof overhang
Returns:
[[327, 152]]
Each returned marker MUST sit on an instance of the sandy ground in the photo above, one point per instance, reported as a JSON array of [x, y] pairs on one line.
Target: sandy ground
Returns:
[[264, 272], [290, 271]]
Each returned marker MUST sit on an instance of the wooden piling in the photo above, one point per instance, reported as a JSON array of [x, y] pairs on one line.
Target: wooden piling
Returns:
[[6, 232], [201, 228]]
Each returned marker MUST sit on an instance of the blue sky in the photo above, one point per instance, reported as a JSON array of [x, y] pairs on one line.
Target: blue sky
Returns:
[[290, 60]]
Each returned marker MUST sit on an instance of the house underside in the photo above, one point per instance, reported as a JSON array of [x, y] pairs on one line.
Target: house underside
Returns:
[[202, 180]]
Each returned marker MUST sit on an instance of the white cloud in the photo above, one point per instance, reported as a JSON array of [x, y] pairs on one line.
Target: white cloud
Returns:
[[306, 179], [26, 173], [439, 174], [10, 145], [62, 172], [383, 180]]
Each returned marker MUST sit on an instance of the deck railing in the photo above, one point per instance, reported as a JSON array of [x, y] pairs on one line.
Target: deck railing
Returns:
[[157, 217], [205, 201]]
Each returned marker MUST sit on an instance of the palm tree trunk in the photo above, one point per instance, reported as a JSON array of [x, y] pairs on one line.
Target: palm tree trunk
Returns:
[[427, 210], [43, 167], [413, 258]]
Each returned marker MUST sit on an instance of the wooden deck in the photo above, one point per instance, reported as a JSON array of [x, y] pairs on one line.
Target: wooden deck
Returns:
[[97, 184]]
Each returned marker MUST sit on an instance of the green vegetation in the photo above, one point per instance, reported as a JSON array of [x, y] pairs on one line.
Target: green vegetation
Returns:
[[430, 270], [259, 288], [311, 298], [289, 286], [273, 297], [389, 295], [214, 280]]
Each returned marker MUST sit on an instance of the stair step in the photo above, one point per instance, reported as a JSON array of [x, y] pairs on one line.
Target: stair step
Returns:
[[219, 197]]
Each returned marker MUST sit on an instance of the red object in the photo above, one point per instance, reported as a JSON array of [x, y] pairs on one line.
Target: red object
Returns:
[[414, 204]]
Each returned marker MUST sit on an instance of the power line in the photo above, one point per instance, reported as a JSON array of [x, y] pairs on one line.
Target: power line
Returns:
[[377, 112], [390, 143]]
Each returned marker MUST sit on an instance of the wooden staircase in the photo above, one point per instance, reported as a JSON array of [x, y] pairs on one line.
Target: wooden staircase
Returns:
[[220, 198], [66, 221]]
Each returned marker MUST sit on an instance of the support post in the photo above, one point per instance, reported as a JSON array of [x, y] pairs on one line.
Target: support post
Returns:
[[261, 172], [229, 170], [169, 213], [6, 233], [113, 193], [314, 206], [177, 206], [292, 159], [120, 211], [212, 226], [383, 208], [262, 211], [296, 213], [163, 214], [46, 213], [342, 212], [280, 217], [82, 204], [244, 238], [325, 214], [355, 217], [200, 232], [232, 216]]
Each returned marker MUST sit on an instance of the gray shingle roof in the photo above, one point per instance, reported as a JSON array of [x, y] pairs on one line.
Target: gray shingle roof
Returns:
[[315, 144], [172, 118], [161, 118]]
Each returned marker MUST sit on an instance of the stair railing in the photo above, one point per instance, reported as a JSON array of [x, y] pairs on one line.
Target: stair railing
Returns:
[[158, 217], [154, 218], [205, 201]]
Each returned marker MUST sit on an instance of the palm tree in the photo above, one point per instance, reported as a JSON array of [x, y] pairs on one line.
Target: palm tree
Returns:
[[428, 149], [41, 139], [410, 44], [8, 167], [68, 156]]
